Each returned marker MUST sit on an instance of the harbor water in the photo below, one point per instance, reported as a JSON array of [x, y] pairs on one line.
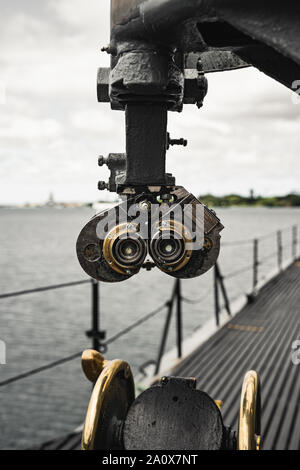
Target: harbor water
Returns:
[[37, 248]]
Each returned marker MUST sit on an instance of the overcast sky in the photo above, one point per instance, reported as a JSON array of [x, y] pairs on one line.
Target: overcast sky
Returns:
[[52, 129]]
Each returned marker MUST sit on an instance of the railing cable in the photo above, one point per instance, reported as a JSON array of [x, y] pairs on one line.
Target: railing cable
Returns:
[[42, 289], [78, 354]]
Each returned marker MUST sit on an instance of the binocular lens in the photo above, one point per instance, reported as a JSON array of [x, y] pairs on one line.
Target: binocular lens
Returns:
[[167, 250], [129, 251]]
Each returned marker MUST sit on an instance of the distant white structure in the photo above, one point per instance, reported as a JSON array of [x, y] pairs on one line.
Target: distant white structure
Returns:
[[50, 202]]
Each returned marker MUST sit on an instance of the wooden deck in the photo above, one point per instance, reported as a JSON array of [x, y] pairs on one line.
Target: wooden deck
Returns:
[[259, 337]]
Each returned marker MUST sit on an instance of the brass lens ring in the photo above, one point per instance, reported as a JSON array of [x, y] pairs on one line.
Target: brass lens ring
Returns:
[[168, 246], [124, 249]]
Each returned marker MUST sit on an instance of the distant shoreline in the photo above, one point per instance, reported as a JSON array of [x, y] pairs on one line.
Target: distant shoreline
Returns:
[[235, 200], [210, 200]]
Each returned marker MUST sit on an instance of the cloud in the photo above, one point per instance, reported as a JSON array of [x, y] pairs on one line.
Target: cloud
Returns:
[[52, 129]]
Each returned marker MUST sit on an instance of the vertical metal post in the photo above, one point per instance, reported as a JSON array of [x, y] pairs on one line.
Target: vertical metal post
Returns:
[[294, 242], [95, 333], [179, 318], [95, 315], [216, 295], [255, 263], [165, 331], [220, 279], [279, 249]]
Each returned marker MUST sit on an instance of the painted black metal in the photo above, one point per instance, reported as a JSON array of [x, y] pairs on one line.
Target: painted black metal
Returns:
[[146, 142], [216, 297], [279, 249], [174, 415], [178, 318], [91, 239], [96, 334], [219, 283], [213, 61], [262, 33], [119, 395], [220, 280], [255, 263], [116, 163], [294, 241], [160, 51], [103, 84], [165, 331]]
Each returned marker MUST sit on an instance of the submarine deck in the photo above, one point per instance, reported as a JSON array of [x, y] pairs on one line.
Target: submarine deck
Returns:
[[259, 337]]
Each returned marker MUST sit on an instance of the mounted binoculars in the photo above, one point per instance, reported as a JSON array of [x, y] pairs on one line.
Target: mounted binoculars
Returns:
[[180, 234]]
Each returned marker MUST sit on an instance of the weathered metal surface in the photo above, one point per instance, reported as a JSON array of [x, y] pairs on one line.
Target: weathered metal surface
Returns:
[[174, 415], [116, 163], [271, 25], [103, 84], [150, 46], [145, 75], [90, 243], [146, 143], [212, 61], [140, 217]]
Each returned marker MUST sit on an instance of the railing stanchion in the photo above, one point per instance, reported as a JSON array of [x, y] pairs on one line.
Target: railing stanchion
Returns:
[[95, 333], [220, 279], [255, 263], [179, 318], [279, 250], [294, 242], [166, 329], [216, 295]]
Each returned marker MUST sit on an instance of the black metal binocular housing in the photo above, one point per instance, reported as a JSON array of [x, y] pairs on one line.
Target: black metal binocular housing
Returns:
[[180, 234]]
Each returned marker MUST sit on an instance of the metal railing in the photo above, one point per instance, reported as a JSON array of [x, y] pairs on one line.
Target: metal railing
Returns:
[[98, 336]]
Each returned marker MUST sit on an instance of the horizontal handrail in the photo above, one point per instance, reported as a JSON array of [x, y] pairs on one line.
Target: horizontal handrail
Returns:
[[76, 355], [143, 319], [248, 241], [42, 289]]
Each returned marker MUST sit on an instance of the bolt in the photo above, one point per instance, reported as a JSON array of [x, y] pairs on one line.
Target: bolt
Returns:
[[101, 160], [102, 185], [131, 227], [106, 49], [181, 141], [145, 205]]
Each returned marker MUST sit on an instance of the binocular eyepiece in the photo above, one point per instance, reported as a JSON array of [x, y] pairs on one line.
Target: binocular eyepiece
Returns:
[[169, 248], [124, 249], [181, 236]]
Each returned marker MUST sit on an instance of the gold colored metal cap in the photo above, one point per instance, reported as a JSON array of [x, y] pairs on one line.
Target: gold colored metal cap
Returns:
[[250, 413], [112, 395], [92, 363]]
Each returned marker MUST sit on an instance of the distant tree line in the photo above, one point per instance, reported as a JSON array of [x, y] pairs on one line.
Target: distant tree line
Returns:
[[290, 200]]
